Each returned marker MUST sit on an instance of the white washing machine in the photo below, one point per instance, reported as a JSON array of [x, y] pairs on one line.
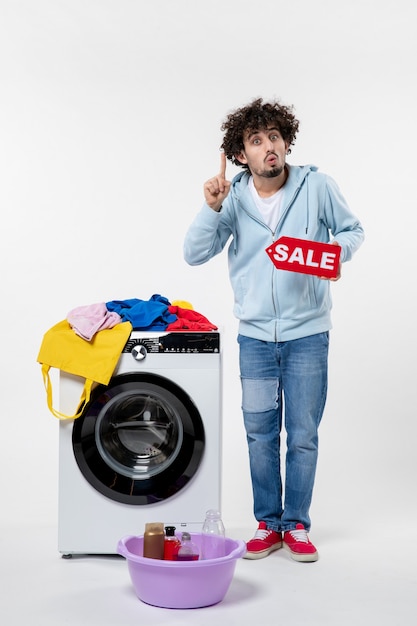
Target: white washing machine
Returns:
[[147, 447]]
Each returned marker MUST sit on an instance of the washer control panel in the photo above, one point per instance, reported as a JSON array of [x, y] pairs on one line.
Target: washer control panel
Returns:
[[173, 343]]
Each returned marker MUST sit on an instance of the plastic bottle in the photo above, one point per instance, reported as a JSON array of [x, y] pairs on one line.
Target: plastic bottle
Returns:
[[213, 540], [188, 550], [172, 544], [153, 540]]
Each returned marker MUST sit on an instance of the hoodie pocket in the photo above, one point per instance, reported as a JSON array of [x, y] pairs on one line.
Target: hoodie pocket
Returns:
[[298, 298]]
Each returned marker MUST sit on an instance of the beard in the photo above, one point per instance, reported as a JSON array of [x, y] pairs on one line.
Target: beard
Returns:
[[272, 173]]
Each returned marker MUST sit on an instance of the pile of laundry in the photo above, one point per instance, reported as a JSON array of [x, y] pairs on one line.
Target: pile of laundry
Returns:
[[155, 314]]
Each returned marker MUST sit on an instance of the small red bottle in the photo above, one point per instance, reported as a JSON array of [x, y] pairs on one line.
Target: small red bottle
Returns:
[[171, 544]]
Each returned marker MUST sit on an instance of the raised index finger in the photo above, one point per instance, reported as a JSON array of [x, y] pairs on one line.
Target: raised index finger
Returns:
[[222, 172]]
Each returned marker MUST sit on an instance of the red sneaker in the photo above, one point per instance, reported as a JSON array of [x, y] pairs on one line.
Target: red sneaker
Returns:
[[299, 545], [263, 543]]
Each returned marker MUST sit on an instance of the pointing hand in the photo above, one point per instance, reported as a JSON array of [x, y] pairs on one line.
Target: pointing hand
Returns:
[[217, 188]]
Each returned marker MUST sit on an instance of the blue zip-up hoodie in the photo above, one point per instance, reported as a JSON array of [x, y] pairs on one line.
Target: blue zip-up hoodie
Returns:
[[272, 304]]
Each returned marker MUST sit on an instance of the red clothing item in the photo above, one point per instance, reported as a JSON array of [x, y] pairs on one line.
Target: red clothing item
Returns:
[[188, 319]]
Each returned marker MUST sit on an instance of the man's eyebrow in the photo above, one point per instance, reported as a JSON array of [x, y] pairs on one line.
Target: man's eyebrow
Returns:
[[252, 132]]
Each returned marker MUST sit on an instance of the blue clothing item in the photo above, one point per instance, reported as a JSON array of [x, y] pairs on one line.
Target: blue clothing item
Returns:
[[294, 372], [152, 314], [272, 304]]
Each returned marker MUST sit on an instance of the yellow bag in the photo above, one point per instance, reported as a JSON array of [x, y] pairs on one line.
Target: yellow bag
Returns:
[[93, 360]]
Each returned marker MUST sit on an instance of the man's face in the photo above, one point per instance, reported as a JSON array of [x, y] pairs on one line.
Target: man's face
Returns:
[[264, 152]]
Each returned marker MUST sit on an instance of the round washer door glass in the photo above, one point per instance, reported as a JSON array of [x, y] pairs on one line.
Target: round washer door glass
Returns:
[[140, 439]]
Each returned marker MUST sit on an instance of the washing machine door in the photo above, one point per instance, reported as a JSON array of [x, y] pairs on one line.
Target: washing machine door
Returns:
[[140, 439]]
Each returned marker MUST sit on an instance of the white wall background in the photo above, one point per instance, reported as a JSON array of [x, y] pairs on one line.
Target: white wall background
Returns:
[[110, 118]]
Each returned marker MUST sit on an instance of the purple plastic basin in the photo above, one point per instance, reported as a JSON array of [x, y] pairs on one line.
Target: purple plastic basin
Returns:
[[180, 585]]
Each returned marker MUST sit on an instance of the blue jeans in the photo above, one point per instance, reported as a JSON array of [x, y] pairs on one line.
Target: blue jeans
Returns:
[[286, 378]]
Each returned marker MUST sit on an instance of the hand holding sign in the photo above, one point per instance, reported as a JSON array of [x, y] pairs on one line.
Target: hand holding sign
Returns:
[[306, 257]]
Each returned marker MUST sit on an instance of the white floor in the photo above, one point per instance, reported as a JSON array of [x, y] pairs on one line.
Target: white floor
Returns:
[[367, 580]]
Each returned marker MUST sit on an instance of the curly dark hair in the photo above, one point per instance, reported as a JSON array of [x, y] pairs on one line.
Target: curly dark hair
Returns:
[[257, 115]]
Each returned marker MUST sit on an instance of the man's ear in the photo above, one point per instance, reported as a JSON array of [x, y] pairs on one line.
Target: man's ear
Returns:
[[240, 156]]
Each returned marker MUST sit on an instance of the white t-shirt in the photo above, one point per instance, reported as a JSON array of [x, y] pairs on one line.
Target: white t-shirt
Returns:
[[269, 208]]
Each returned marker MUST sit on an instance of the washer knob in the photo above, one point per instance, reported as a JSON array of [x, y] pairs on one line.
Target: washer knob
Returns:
[[139, 352]]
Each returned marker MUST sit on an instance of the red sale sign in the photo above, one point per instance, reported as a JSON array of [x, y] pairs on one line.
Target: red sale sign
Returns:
[[307, 257]]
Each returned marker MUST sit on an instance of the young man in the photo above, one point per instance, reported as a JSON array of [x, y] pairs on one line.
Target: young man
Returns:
[[284, 317]]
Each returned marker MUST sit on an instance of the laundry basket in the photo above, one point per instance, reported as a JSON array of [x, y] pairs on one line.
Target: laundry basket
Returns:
[[180, 585]]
